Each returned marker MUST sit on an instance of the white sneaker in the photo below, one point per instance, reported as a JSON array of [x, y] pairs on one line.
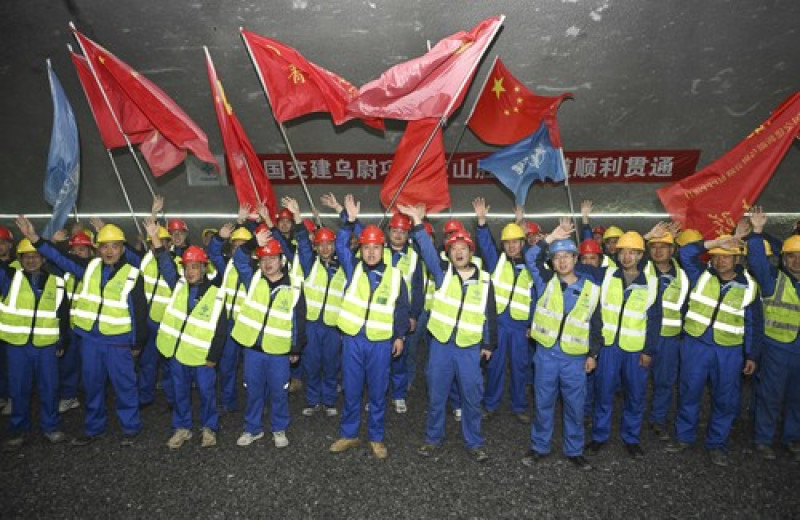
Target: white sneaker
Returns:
[[457, 414], [308, 411], [55, 437], [280, 439], [6, 409], [400, 406], [66, 405], [180, 436], [331, 411], [247, 438]]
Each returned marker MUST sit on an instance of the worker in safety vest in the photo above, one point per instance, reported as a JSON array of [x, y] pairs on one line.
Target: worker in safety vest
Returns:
[[567, 328], [515, 298], [110, 315], [631, 321], [271, 327], [463, 327], [779, 372], [419, 335], [34, 322], [374, 320], [6, 258], [720, 334], [191, 336], [606, 236]]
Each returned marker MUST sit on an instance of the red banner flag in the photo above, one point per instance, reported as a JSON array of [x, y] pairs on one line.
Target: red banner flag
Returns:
[[715, 198], [432, 84], [172, 131], [296, 86], [245, 169], [507, 111], [428, 183]]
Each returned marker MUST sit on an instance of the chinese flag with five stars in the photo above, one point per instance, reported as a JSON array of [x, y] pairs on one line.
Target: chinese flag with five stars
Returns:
[[507, 111]]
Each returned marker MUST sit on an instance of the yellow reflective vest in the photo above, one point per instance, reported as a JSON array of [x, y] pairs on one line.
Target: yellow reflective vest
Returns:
[[156, 290], [628, 317], [573, 330], [672, 299], [782, 311], [23, 318], [512, 289], [268, 312], [371, 310], [188, 336], [707, 308], [324, 293], [460, 310], [108, 307]]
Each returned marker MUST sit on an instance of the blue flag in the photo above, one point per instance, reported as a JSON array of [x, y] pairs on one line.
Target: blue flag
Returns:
[[63, 160], [530, 159]]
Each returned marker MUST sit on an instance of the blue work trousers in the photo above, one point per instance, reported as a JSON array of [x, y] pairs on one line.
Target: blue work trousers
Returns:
[[228, 368], [321, 363], [149, 361], [665, 377], [69, 368], [413, 342], [512, 346], [266, 375], [779, 385], [205, 379], [365, 361], [26, 364], [614, 367]]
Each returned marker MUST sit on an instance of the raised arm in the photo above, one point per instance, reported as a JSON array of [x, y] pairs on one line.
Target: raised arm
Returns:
[[486, 244]]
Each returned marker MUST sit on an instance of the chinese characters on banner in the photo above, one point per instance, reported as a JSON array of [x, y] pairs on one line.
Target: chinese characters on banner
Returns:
[[582, 166]]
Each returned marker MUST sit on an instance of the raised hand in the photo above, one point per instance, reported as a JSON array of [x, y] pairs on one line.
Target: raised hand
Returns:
[[158, 205], [481, 209], [564, 229], [352, 207], [151, 226], [97, 223], [59, 236], [415, 213], [263, 212], [743, 228], [329, 201], [225, 231], [657, 231], [244, 211], [292, 205], [27, 229], [586, 209], [263, 237], [758, 218], [674, 227]]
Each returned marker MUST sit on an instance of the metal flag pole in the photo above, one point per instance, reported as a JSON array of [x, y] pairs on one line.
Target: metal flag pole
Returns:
[[124, 191], [280, 125], [569, 193], [113, 114]]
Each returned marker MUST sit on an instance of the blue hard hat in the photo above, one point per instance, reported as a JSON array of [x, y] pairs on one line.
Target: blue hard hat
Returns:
[[563, 245]]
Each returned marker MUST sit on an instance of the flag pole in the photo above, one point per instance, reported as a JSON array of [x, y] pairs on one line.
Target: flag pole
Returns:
[[124, 191], [569, 193], [113, 114], [442, 122], [280, 125]]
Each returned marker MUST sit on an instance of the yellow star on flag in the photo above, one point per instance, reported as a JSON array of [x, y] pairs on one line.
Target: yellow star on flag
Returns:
[[498, 87]]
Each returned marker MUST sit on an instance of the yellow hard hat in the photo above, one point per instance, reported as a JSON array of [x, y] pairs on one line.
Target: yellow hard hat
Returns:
[[213, 231], [512, 231], [687, 236], [241, 233], [163, 234], [110, 233], [25, 246], [666, 239], [791, 244], [726, 252], [612, 232], [630, 240]]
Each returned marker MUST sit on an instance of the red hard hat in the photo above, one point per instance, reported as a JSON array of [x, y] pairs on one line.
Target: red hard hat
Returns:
[[590, 246], [429, 228], [598, 230], [532, 228], [309, 224], [194, 254], [400, 221], [273, 248], [453, 225], [5, 234], [80, 239], [260, 228], [371, 234], [324, 234], [176, 224], [461, 236], [285, 213]]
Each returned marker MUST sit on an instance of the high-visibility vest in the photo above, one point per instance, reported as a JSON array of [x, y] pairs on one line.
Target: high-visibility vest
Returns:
[[372, 310], [626, 316], [234, 289], [672, 299], [324, 293], [608, 262], [107, 306], [430, 288], [407, 264], [24, 318], [156, 290], [724, 313], [268, 312], [459, 310], [550, 323], [512, 289], [188, 336], [72, 289], [782, 311]]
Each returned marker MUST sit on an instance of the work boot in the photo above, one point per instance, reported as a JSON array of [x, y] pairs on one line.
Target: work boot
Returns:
[[532, 458], [427, 450], [14, 443], [634, 450], [247, 438], [488, 414], [580, 462], [379, 449], [56, 437], [180, 436], [310, 410], [330, 411], [677, 447], [479, 454], [85, 440], [660, 431], [66, 405], [129, 439], [208, 438], [344, 444], [400, 406], [6, 411], [280, 440], [594, 447], [523, 418]]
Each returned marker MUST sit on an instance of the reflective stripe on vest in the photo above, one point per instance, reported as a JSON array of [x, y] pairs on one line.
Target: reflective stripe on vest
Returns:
[[268, 312], [512, 287], [24, 318], [156, 289], [407, 262], [72, 288], [372, 310], [574, 328], [430, 288], [626, 316], [188, 337], [782, 311], [108, 306], [324, 293], [455, 309], [725, 314], [672, 299], [235, 291]]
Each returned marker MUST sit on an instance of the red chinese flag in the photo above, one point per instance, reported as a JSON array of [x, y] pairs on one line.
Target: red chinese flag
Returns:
[[296, 86], [428, 183], [507, 111], [715, 198], [429, 85], [246, 170], [173, 133]]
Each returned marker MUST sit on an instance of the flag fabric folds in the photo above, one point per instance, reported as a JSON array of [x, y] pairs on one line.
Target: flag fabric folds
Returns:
[[715, 198], [428, 182], [246, 170], [507, 111], [168, 132], [431, 85], [534, 158], [63, 160], [296, 86]]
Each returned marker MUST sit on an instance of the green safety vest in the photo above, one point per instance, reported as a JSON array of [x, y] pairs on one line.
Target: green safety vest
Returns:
[[725, 314], [430, 288], [156, 290], [407, 264], [235, 291], [108, 306], [269, 312], [550, 323], [372, 310], [324, 292], [512, 290], [608, 262], [72, 286], [782, 311], [459, 310], [628, 317], [672, 300], [188, 337], [23, 318]]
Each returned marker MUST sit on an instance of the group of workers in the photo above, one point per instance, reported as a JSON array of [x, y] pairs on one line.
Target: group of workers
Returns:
[[348, 310]]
